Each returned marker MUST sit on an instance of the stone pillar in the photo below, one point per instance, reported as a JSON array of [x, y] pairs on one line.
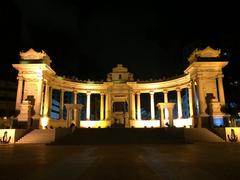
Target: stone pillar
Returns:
[[166, 112], [102, 106], [61, 104], [106, 106], [46, 101], [88, 106], [38, 99], [69, 108], [190, 101], [133, 106], [201, 98], [162, 116], [170, 117], [50, 101], [179, 103], [152, 105], [78, 109], [165, 92], [75, 113], [19, 93], [138, 106], [221, 90]]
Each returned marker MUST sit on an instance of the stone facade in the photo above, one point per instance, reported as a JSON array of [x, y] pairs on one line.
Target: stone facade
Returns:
[[202, 79]]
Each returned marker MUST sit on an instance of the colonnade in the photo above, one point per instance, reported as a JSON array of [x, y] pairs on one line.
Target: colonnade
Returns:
[[44, 94], [165, 93]]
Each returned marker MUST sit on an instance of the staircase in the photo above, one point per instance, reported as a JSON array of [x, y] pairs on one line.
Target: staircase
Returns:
[[201, 135], [124, 136], [38, 136]]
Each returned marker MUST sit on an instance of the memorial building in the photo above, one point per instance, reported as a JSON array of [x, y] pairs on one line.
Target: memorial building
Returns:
[[120, 95]]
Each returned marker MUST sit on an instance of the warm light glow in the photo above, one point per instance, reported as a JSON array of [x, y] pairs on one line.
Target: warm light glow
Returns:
[[44, 122], [10, 133], [144, 123], [166, 113], [230, 132], [183, 122], [95, 124]]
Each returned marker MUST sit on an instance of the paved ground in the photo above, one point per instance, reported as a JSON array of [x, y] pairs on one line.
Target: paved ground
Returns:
[[110, 162]]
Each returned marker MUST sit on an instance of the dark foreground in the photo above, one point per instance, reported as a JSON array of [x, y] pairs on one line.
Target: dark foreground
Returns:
[[109, 162]]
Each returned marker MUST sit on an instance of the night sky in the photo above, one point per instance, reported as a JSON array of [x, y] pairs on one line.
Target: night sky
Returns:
[[86, 39]]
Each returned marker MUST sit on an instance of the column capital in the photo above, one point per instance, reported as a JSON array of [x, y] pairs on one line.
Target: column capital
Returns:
[[132, 91], [189, 86], [178, 89], [88, 92], [102, 93], [165, 91], [75, 92], [20, 78], [138, 92], [151, 92], [220, 76]]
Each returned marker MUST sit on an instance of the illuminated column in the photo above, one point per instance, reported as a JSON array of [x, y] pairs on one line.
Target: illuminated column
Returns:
[[221, 90], [170, 115], [138, 106], [88, 106], [190, 101], [133, 106], [152, 105], [50, 101], [19, 93], [46, 101], [165, 92], [102, 107], [201, 97], [106, 106], [162, 117], [38, 99], [61, 104], [75, 113], [179, 103]]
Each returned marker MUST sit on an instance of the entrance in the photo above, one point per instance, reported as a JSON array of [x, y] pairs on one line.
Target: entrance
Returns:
[[120, 114]]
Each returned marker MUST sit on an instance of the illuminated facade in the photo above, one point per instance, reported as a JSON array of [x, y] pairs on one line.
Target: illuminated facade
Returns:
[[120, 95]]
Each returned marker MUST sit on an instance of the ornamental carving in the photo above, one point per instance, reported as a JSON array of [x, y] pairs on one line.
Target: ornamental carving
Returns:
[[32, 54], [208, 52]]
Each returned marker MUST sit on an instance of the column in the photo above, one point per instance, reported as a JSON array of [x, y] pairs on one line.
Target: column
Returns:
[[50, 101], [179, 103], [38, 99], [102, 106], [75, 114], [190, 101], [88, 106], [201, 97], [166, 112], [221, 90], [19, 93], [46, 101], [152, 105], [165, 92], [138, 106], [162, 117], [133, 105], [61, 104], [106, 106], [170, 118]]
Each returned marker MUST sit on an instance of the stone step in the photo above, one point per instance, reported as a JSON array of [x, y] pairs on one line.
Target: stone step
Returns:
[[201, 135], [38, 136]]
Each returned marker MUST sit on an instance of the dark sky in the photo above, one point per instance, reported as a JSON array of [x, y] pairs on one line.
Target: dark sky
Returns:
[[87, 38]]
